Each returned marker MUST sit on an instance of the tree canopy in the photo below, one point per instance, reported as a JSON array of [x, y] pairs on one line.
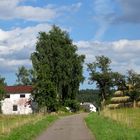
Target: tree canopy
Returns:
[[101, 74], [57, 64]]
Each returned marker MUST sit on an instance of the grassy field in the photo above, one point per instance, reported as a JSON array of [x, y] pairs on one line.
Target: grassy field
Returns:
[[128, 116], [121, 124], [24, 127]]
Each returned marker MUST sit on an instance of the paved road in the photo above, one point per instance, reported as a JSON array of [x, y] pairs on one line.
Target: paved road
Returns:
[[68, 128]]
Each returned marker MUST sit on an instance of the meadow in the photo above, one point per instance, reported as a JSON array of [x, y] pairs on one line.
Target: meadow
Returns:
[[24, 127], [119, 124], [127, 116]]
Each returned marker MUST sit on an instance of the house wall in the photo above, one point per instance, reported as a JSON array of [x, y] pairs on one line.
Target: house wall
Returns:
[[89, 107], [9, 104]]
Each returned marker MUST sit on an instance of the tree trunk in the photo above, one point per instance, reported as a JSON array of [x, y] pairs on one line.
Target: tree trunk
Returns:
[[103, 100], [134, 104], [103, 104]]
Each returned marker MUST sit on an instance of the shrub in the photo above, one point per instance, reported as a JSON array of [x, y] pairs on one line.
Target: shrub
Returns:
[[73, 104]]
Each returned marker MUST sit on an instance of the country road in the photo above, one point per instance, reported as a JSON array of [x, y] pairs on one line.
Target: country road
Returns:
[[68, 128]]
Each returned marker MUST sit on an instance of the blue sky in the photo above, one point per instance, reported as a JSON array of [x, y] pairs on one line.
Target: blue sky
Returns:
[[97, 27]]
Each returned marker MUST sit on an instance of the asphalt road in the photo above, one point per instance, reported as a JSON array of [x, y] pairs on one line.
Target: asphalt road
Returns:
[[68, 128]]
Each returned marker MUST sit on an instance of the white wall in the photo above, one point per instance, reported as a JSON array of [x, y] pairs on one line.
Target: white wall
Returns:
[[22, 106], [89, 107]]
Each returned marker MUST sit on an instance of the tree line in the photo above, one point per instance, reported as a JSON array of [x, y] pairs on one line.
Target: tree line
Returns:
[[57, 71], [88, 95], [107, 80]]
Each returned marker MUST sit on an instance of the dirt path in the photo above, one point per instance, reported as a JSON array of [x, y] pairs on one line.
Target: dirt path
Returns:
[[68, 128]]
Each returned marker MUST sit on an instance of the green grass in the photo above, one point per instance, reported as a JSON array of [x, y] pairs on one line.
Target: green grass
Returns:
[[30, 130], [105, 128], [128, 116], [9, 122]]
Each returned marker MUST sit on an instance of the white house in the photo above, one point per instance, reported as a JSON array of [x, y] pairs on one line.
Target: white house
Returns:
[[17, 100], [88, 107]]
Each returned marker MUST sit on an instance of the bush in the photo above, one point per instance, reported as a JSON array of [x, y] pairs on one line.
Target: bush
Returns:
[[53, 106], [72, 104], [63, 109]]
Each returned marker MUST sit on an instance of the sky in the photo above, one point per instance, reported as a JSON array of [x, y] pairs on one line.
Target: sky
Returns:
[[97, 27]]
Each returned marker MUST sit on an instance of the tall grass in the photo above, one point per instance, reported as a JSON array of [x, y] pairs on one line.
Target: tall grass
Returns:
[[128, 116], [9, 122], [105, 128], [27, 130]]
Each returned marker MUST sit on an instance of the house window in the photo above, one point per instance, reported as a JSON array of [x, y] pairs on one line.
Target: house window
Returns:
[[14, 107], [7, 96], [22, 95]]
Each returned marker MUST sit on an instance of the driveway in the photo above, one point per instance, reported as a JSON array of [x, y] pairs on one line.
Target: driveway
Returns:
[[68, 128]]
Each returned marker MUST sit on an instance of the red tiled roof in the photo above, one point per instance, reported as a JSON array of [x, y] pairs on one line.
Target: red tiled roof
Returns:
[[18, 89]]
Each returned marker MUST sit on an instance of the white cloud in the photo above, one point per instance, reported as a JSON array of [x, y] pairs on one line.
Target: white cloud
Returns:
[[123, 53], [35, 13], [72, 8], [17, 45], [3, 35], [11, 9]]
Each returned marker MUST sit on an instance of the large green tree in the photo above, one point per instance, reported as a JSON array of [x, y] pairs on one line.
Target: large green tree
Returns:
[[101, 74], [56, 63]]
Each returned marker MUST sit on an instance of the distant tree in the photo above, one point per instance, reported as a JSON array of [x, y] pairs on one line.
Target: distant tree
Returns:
[[2, 90], [89, 95], [119, 81], [57, 64], [24, 76], [133, 80], [100, 72]]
